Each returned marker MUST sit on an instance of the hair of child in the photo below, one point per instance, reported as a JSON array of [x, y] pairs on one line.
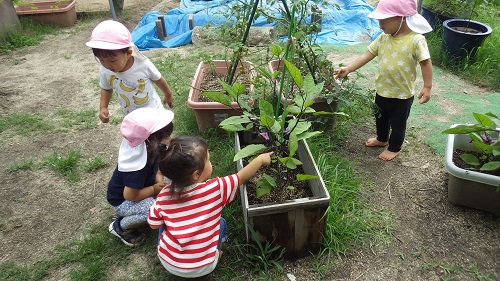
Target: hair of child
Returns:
[[104, 53], [184, 156], [154, 141]]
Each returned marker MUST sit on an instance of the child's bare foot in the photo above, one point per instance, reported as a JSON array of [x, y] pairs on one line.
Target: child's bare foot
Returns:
[[388, 155], [373, 142]]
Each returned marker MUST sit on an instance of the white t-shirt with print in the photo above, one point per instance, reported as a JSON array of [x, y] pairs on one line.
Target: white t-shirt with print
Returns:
[[134, 87]]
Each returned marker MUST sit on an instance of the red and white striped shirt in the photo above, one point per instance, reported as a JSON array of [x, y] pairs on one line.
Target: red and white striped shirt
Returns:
[[192, 221]]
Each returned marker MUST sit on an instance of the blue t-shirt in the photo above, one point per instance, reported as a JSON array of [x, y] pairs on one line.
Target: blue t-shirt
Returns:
[[136, 180]]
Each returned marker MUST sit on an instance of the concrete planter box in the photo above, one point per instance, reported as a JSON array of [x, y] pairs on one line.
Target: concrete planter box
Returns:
[[470, 188], [209, 114], [296, 225], [58, 13]]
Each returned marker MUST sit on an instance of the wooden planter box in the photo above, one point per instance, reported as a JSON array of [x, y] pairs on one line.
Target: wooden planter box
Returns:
[[296, 225], [209, 114], [470, 188], [58, 13]]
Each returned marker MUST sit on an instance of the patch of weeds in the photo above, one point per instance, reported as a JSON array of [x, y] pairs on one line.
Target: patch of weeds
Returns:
[[83, 119], [23, 123], [401, 255], [65, 165], [30, 34], [351, 221], [479, 275], [322, 263], [94, 164], [21, 166], [114, 120], [261, 256], [86, 259]]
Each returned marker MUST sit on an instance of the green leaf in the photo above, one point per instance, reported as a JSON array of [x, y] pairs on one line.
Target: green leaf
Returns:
[[269, 179], [465, 129], [484, 120], [493, 116], [470, 159], [239, 89], [290, 162], [304, 177], [293, 109], [264, 185], [479, 144], [249, 150], [244, 105], [496, 150], [233, 127], [218, 97], [311, 90], [301, 127], [264, 71], [276, 50], [293, 143], [265, 108], [231, 92], [266, 121], [234, 123], [491, 166], [295, 73], [291, 187], [307, 135]]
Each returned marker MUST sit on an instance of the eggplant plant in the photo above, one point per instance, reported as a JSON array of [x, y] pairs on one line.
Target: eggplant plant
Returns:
[[480, 134]]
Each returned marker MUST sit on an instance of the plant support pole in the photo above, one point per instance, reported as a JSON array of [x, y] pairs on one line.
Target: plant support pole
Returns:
[[243, 42]]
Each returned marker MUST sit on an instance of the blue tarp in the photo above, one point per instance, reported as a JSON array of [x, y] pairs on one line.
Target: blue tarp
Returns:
[[346, 24]]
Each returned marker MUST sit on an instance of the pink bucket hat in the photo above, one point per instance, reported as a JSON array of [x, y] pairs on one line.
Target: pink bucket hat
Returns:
[[402, 8], [110, 35], [142, 122]]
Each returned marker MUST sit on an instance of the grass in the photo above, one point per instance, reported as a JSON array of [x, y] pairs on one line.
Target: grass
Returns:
[[483, 70]]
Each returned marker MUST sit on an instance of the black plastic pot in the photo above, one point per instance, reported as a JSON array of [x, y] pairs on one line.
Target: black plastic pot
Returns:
[[459, 42], [434, 19]]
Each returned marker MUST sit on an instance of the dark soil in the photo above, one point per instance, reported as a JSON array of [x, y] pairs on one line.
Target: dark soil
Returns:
[[457, 160], [288, 187]]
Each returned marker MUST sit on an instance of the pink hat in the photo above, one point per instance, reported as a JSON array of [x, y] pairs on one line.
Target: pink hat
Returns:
[[394, 8], [110, 35], [402, 8], [139, 124]]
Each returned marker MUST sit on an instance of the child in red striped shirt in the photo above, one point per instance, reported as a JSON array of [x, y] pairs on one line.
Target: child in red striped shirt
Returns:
[[188, 212]]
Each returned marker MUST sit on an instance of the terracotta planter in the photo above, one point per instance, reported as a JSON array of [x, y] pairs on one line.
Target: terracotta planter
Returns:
[[209, 114], [59, 13], [320, 104], [470, 188], [296, 225]]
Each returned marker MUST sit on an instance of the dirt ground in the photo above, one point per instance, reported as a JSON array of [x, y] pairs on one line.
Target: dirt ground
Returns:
[[38, 210]]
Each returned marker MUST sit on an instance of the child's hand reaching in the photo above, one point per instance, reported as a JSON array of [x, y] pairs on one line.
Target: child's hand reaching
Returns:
[[266, 158], [249, 170], [341, 72]]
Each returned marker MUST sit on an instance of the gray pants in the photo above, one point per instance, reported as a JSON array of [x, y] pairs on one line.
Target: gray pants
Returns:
[[134, 213]]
